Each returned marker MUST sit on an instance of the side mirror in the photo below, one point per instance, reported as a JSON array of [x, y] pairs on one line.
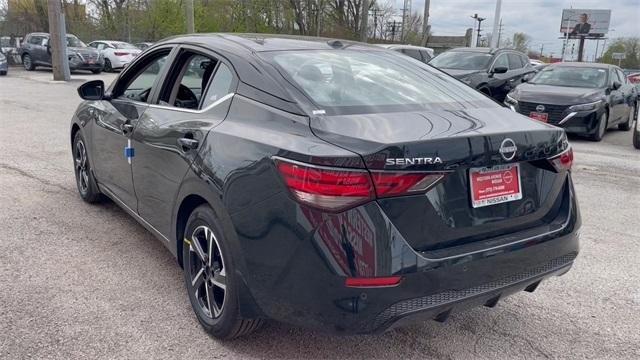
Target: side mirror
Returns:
[[499, 70], [616, 85], [526, 78], [93, 90]]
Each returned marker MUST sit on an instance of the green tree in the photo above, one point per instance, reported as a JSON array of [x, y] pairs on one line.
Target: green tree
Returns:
[[630, 47]]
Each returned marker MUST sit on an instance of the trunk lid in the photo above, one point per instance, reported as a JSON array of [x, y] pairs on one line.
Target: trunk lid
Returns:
[[455, 142]]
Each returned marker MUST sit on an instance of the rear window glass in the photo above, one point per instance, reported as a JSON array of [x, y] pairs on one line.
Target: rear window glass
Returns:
[[345, 81]]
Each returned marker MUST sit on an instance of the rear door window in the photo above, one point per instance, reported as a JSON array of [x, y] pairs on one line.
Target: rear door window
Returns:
[[220, 85], [413, 53], [514, 61]]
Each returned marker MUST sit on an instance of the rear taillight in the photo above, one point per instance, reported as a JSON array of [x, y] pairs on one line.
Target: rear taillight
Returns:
[[564, 161], [120, 53], [337, 189], [394, 184]]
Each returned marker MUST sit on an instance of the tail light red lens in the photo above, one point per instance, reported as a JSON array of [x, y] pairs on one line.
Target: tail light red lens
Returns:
[[564, 161], [337, 189], [332, 189], [394, 184], [373, 282], [120, 53]]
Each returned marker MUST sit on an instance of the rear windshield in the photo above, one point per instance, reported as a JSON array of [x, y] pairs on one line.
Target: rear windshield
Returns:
[[123, 45], [461, 60], [350, 81], [571, 76]]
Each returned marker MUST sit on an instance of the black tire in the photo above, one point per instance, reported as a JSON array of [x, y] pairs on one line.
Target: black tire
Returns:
[[107, 66], [603, 123], [213, 277], [86, 183], [27, 62], [636, 135], [3, 73], [627, 125], [97, 71]]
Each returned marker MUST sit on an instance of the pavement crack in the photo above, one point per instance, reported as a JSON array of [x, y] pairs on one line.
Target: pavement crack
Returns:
[[32, 176]]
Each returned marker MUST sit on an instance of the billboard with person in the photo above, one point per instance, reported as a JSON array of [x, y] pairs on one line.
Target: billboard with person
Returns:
[[585, 22]]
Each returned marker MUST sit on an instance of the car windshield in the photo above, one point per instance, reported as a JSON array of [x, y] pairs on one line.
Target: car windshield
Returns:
[[571, 76], [124, 45], [349, 81], [73, 41], [461, 60]]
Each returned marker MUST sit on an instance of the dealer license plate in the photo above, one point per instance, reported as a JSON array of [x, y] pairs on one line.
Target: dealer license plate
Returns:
[[495, 185]]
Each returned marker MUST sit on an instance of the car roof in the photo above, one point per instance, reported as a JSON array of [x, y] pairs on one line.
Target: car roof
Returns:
[[45, 34], [267, 42], [484, 50], [585, 65], [403, 46]]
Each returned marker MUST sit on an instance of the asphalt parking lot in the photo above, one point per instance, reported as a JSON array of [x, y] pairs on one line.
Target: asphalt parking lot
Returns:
[[78, 280]]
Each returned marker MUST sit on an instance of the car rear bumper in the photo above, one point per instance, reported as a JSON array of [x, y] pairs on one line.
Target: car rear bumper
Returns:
[[295, 267], [86, 66]]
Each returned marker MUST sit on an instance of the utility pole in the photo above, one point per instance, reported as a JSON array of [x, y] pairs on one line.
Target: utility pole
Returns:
[[496, 24], [188, 9], [425, 24], [406, 10], [364, 21], [541, 50], [479, 20], [499, 33], [58, 41]]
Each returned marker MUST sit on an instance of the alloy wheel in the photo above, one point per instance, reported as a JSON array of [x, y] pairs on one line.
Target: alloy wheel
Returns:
[[80, 157], [26, 60], [207, 270]]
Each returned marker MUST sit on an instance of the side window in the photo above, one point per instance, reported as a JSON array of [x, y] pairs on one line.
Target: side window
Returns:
[[413, 53], [525, 61], [36, 40], [514, 61], [100, 46], [425, 55], [189, 79], [138, 87], [501, 61], [220, 85], [623, 79]]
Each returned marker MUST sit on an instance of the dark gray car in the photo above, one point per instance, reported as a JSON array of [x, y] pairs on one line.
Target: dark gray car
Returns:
[[4, 67], [35, 51]]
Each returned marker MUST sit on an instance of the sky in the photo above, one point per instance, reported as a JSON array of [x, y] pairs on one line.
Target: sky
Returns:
[[540, 19]]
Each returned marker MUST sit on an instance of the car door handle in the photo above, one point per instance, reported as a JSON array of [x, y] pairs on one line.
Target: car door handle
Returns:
[[188, 143], [126, 128]]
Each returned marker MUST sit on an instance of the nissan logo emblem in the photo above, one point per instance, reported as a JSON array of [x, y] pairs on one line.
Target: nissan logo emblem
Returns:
[[540, 108], [508, 149]]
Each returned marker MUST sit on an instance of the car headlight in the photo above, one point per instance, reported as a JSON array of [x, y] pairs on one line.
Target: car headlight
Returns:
[[585, 107], [511, 102], [3, 58]]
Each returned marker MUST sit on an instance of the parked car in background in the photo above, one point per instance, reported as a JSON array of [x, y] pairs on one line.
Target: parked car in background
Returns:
[[535, 62], [143, 45], [327, 184], [582, 98], [493, 72], [4, 66], [35, 51], [419, 53], [9, 46], [117, 54], [635, 80]]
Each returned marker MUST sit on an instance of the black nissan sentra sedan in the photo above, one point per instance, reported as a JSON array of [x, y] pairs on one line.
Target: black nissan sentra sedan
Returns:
[[583, 98], [326, 183]]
